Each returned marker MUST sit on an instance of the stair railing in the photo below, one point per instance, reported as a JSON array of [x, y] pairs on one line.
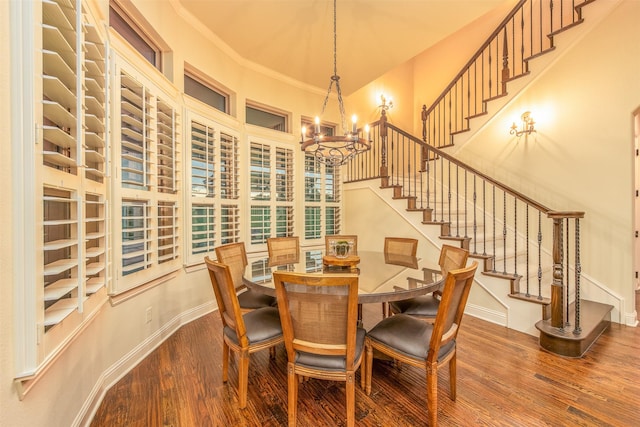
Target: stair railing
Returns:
[[526, 32], [493, 221]]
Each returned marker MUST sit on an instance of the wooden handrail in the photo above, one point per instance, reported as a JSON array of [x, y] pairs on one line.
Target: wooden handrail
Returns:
[[525, 33], [471, 169], [476, 55]]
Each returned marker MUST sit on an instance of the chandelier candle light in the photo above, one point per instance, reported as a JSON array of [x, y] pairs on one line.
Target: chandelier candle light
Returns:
[[335, 149]]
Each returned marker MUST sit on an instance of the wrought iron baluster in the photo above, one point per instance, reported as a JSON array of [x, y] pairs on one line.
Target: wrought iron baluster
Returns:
[[527, 250], [449, 196], [566, 278], [493, 214], [577, 329], [515, 237], [484, 216], [475, 223], [539, 255], [457, 201]]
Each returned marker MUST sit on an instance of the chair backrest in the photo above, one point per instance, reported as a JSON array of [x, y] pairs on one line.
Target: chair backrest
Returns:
[[319, 314], [452, 258], [227, 299], [283, 247], [330, 242], [451, 308], [235, 256], [400, 246]]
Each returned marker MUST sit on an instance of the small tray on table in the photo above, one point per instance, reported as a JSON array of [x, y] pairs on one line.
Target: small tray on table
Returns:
[[349, 261]]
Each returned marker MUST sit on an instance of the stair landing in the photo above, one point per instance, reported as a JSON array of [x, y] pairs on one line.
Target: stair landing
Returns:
[[595, 319]]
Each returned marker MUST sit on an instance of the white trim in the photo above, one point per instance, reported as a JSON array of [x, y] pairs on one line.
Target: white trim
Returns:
[[24, 137], [484, 313]]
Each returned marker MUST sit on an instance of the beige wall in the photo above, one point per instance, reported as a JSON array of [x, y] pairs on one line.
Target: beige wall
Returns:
[[420, 80]]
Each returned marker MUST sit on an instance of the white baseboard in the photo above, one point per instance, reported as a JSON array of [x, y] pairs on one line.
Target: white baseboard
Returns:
[[631, 319], [119, 369], [485, 314]]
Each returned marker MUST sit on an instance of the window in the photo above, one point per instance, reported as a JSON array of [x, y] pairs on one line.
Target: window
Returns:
[[260, 172], [203, 92], [65, 203], [202, 229], [322, 198], [266, 119], [215, 175], [136, 233], [134, 35], [272, 197], [148, 188], [312, 223], [166, 155]]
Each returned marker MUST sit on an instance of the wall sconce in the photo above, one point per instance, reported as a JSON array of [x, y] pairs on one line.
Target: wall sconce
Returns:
[[527, 126], [386, 104]]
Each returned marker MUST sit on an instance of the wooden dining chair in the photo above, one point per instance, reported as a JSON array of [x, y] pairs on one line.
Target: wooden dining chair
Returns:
[[243, 334], [330, 242], [283, 250], [235, 256], [422, 344], [426, 306], [398, 246], [319, 317]]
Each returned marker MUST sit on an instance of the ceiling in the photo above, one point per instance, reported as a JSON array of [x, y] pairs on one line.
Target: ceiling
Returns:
[[295, 37]]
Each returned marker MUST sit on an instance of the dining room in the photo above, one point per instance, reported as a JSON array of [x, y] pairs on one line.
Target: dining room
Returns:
[[143, 137], [190, 379], [180, 383]]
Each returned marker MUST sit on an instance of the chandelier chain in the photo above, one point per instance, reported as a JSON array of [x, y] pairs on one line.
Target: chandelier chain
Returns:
[[335, 78]]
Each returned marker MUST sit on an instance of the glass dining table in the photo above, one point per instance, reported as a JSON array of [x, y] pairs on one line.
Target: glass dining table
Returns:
[[382, 277]]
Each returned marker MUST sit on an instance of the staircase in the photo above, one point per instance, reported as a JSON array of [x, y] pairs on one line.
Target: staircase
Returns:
[[530, 247]]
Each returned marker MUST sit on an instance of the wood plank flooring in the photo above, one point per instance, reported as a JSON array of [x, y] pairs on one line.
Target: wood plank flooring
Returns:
[[504, 379]]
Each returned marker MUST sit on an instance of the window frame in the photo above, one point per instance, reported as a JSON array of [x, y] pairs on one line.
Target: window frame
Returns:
[[210, 84], [222, 219], [316, 209], [261, 108], [141, 28], [154, 120], [275, 205], [60, 192]]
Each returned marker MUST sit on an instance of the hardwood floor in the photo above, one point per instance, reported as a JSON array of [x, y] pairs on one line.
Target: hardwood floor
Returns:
[[504, 379]]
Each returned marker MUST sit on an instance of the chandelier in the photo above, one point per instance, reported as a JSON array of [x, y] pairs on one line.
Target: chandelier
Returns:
[[335, 149]]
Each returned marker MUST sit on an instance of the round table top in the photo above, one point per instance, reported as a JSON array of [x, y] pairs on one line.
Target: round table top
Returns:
[[382, 277]]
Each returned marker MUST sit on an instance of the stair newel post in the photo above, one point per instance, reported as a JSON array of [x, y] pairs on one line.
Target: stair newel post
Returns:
[[505, 61], [557, 286], [384, 173]]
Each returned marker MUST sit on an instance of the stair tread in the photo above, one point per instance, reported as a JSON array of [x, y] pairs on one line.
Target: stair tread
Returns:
[[591, 316], [531, 298]]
